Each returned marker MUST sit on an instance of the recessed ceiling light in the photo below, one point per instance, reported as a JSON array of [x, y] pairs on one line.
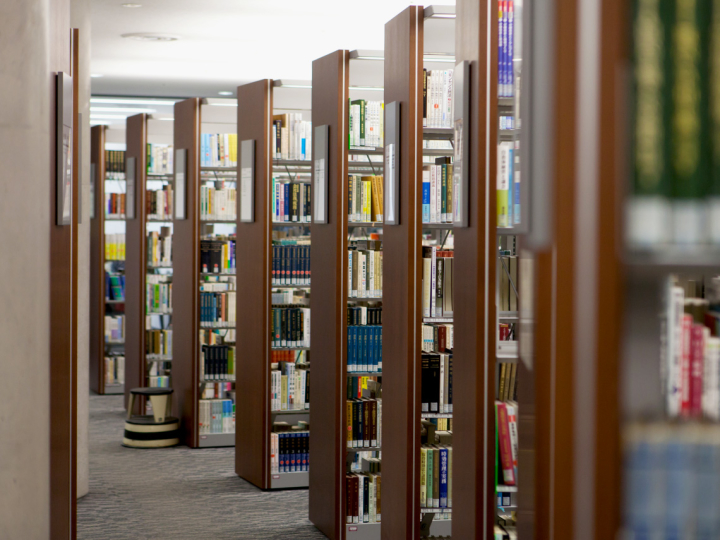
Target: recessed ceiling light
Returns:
[[131, 101], [130, 5], [225, 93], [95, 75], [128, 110], [149, 36]]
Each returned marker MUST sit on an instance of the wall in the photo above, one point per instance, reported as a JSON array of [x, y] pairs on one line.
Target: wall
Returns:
[[80, 18], [25, 119]]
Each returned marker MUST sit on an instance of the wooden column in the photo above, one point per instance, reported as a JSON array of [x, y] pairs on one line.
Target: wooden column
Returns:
[[402, 286], [474, 360], [97, 262], [186, 278], [252, 432], [328, 304], [136, 261]]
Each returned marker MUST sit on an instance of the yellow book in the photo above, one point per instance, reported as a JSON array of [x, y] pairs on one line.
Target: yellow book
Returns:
[[283, 393], [423, 478], [348, 421]]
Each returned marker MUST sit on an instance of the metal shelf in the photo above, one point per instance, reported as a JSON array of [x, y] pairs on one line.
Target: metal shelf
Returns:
[[231, 168], [290, 480], [366, 151], [364, 449], [364, 373], [362, 531], [210, 440], [359, 224], [226, 221], [364, 298], [437, 226], [436, 415], [289, 348], [440, 320], [114, 389], [506, 489], [438, 134]]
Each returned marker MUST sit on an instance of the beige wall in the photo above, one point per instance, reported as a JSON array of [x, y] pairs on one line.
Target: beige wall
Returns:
[[80, 18], [25, 119]]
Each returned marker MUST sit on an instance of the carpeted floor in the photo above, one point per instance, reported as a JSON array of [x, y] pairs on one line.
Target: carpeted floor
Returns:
[[177, 493]]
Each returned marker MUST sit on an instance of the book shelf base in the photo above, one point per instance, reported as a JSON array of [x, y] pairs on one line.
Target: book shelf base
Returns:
[[114, 389], [441, 528], [290, 480], [363, 531], [214, 440]]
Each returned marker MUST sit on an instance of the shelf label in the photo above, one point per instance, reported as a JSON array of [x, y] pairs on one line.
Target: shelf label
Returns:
[[352, 529], [320, 174], [180, 166], [391, 206], [64, 148], [130, 188], [461, 111], [276, 477], [93, 179], [247, 181]]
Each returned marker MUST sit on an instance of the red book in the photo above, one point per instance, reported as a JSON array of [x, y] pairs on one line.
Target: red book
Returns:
[[685, 403], [506, 457], [697, 353], [355, 501], [442, 338], [348, 499]]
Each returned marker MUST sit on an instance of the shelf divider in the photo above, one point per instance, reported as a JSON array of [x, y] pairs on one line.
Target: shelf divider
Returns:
[[97, 263]]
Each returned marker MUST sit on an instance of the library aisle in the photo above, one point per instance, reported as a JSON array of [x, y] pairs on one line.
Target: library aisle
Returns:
[[178, 493]]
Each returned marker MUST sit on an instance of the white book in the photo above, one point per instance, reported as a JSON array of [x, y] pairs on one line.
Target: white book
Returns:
[[371, 274], [434, 309], [362, 281], [711, 378], [361, 499], [433, 196], [673, 349], [441, 407], [351, 291], [427, 304]]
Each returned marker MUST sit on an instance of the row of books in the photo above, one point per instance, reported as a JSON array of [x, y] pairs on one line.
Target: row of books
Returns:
[[218, 204], [507, 388], [435, 476], [365, 199], [365, 271], [114, 287], [365, 461], [436, 379], [159, 247], [217, 308], [216, 336], [364, 423], [159, 158], [159, 203], [507, 442], [158, 343], [115, 205], [364, 348], [297, 357], [291, 202], [114, 328], [290, 452], [506, 41], [289, 387], [216, 416], [437, 185], [218, 150], [158, 294], [290, 265], [437, 296], [114, 246], [114, 370], [217, 255], [674, 140], [160, 381], [504, 532], [437, 338], [362, 498], [217, 363], [292, 136], [671, 478], [508, 283], [437, 98], [507, 122], [159, 369], [115, 163], [366, 126], [508, 185], [290, 327], [690, 357], [361, 315], [218, 390], [365, 386]]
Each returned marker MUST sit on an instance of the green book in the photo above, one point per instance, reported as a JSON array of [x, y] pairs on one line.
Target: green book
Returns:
[[429, 479], [690, 150], [443, 197]]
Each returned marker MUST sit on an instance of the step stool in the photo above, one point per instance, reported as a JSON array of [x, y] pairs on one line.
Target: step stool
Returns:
[[157, 430]]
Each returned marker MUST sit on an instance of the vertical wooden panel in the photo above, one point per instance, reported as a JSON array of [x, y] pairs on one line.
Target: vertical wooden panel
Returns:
[[97, 260], [136, 261], [186, 278], [328, 304], [63, 323], [402, 286], [75, 70], [474, 360], [252, 433]]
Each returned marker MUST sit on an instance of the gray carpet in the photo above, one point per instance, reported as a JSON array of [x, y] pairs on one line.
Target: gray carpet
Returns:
[[177, 493]]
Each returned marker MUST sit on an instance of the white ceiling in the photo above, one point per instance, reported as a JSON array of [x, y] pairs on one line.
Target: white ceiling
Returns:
[[225, 43]]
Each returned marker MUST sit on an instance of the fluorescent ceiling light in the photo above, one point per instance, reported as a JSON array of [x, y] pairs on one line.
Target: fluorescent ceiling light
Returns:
[[107, 116], [167, 119], [220, 102], [129, 5], [95, 75], [444, 58], [149, 36], [225, 93], [121, 109], [370, 88], [132, 101]]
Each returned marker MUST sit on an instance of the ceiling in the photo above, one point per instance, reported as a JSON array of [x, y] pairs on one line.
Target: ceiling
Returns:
[[225, 43]]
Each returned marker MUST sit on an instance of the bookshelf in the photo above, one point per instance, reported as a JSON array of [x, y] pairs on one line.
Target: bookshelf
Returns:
[[148, 266], [107, 307], [334, 465], [264, 340], [202, 297]]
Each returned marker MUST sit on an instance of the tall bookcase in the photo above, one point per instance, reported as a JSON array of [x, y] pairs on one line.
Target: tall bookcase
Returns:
[[143, 268], [258, 234], [334, 232], [107, 266], [191, 319]]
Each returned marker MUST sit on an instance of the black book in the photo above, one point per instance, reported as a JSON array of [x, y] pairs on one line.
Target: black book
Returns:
[[425, 382], [215, 255], [204, 255], [366, 497], [434, 380], [283, 328], [439, 286]]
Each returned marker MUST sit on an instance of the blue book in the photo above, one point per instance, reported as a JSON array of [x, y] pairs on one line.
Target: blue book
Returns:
[[515, 188], [381, 348], [510, 48], [426, 198], [510, 188], [376, 348], [501, 60], [443, 477], [307, 450], [364, 354], [203, 150], [303, 146], [286, 217], [350, 366], [108, 288]]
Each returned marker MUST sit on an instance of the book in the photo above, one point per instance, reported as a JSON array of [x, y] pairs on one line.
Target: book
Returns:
[[160, 203], [114, 369], [437, 282], [216, 416], [218, 150], [365, 199], [291, 264], [289, 386], [218, 204], [505, 444], [115, 164], [159, 158], [217, 254], [437, 98], [291, 201], [292, 137], [366, 124], [504, 184], [217, 302], [158, 344], [114, 246], [114, 328], [114, 287], [217, 363], [159, 248], [290, 327], [158, 294], [115, 205], [362, 497]]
